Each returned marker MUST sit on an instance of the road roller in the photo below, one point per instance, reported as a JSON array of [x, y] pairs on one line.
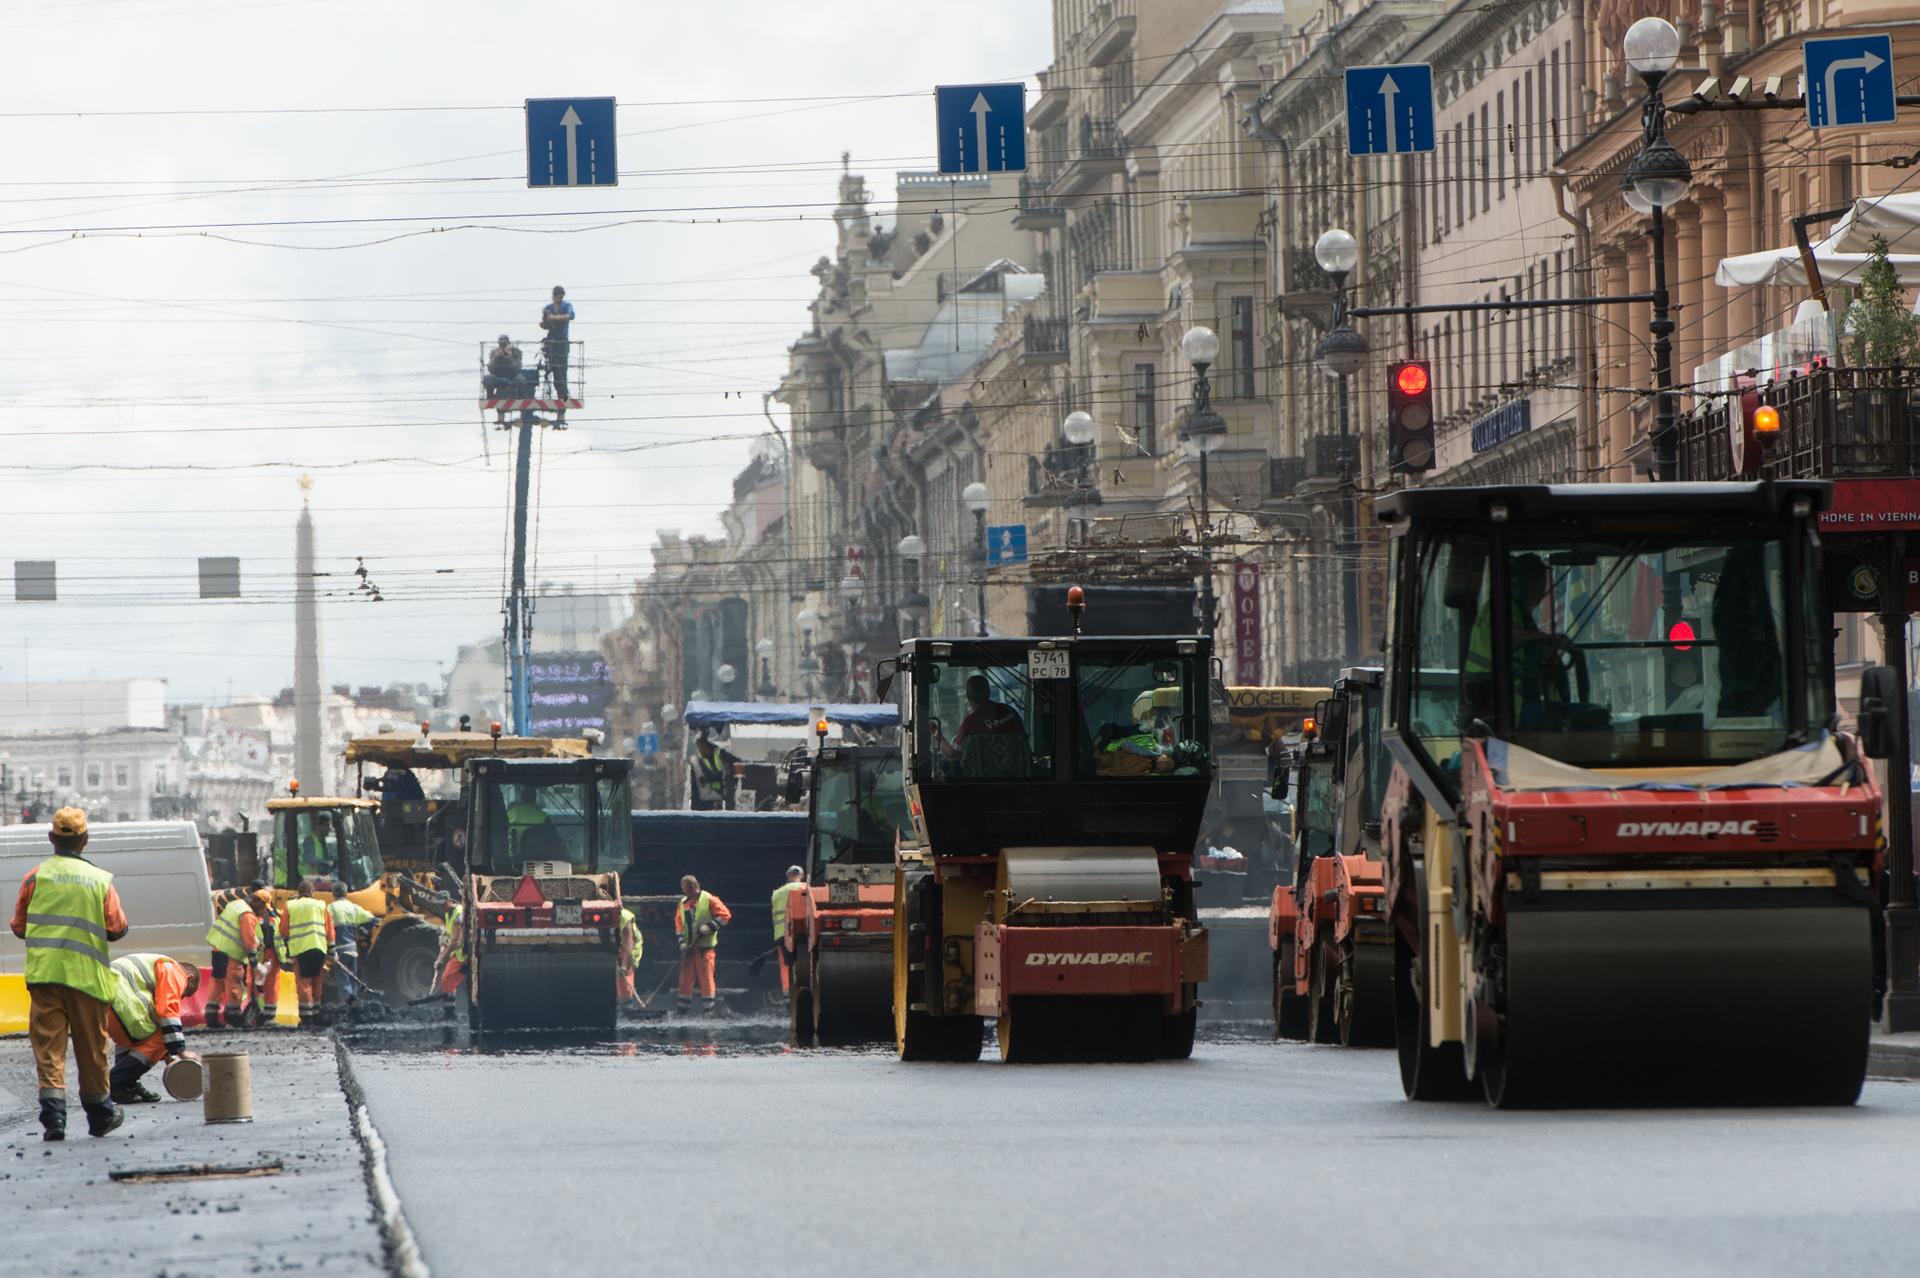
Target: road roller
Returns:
[[546, 841], [1051, 887], [1629, 852], [1333, 961], [841, 987]]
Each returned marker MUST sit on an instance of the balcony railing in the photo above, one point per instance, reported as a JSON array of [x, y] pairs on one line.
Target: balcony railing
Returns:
[[1036, 209], [1099, 140], [1045, 340], [1835, 423]]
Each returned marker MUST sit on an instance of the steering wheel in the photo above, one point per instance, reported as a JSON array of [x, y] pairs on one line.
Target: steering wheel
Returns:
[[1562, 659]]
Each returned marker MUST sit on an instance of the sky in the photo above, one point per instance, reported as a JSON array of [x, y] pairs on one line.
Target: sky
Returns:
[[242, 243]]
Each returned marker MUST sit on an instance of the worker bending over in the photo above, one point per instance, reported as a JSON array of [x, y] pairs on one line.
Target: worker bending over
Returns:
[[145, 1021], [783, 902], [235, 938], [697, 921], [67, 912], [309, 939]]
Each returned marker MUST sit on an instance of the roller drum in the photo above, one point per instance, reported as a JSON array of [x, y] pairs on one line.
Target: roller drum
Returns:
[[1756, 1005], [547, 990], [853, 998]]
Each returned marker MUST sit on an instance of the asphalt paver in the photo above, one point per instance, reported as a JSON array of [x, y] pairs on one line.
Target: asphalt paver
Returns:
[[65, 1214], [711, 1155]]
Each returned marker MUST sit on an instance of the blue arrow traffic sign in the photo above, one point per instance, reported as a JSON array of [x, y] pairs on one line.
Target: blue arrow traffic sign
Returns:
[[1850, 81], [646, 743], [982, 127], [1390, 109], [570, 142], [1006, 544]]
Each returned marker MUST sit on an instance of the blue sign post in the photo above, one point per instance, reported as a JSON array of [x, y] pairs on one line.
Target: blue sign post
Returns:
[[1850, 81], [1006, 544], [982, 127], [646, 743], [570, 142], [1390, 109]]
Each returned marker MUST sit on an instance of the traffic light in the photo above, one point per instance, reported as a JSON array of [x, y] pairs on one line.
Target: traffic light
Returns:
[[1410, 416]]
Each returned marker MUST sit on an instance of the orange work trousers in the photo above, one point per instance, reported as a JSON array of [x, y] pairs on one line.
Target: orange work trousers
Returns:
[[56, 1013], [231, 988], [696, 968], [786, 966], [451, 977]]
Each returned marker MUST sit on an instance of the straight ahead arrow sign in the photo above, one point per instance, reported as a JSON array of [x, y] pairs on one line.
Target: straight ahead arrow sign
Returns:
[[1388, 91], [571, 123], [980, 111]]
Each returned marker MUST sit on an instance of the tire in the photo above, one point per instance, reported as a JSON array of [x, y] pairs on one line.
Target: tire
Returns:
[[1321, 1026], [1289, 1009], [1363, 1003], [401, 956], [1176, 1034], [800, 1007]]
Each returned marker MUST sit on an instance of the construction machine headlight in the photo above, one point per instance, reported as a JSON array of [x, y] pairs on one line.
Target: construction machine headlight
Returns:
[[850, 925]]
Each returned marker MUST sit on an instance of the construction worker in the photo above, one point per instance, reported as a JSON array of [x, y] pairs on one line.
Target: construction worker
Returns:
[[235, 938], [782, 903], [67, 912], [452, 963], [145, 1022], [276, 959], [631, 946], [309, 939], [523, 815], [316, 849], [697, 921], [348, 919], [710, 767]]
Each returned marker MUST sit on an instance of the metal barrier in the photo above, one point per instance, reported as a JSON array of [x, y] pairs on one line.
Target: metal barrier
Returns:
[[540, 375]]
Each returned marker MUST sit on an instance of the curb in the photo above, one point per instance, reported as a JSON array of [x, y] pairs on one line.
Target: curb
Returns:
[[398, 1245], [1889, 1060]]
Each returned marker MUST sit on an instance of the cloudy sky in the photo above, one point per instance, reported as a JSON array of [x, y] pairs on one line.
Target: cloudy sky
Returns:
[[245, 242]]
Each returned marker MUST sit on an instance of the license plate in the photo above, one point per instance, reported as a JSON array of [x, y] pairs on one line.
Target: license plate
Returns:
[[1048, 663], [566, 913], [843, 892]]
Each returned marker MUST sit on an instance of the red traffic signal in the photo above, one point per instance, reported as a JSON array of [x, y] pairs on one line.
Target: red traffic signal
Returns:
[[1410, 444]]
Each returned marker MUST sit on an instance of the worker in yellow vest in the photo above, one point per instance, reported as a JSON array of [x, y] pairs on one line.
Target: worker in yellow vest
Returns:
[[235, 940], [783, 904], [348, 919], [309, 941], [697, 921], [67, 912], [452, 963], [145, 1023], [631, 946]]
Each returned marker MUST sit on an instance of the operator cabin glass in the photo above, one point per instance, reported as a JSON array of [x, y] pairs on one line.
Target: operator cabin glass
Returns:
[[534, 820], [1119, 713], [1315, 817], [1625, 649], [354, 860], [361, 865], [862, 809]]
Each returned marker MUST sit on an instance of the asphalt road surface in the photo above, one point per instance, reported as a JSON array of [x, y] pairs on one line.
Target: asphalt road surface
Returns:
[[1252, 1158]]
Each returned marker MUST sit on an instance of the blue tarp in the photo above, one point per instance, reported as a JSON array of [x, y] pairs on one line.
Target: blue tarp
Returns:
[[713, 714]]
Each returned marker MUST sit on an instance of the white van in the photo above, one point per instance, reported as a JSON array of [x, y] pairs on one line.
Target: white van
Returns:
[[159, 869]]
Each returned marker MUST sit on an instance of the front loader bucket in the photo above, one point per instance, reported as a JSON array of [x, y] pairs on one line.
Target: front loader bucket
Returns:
[[546, 990]]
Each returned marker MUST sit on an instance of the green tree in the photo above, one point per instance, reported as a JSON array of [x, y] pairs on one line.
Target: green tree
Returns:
[[1880, 330]]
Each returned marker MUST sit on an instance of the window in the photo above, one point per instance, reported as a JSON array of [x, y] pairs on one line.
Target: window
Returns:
[[1500, 143], [1460, 163], [546, 819], [1144, 422], [1486, 161], [63, 777], [160, 776], [860, 806], [1451, 593], [122, 776], [93, 776], [1241, 338]]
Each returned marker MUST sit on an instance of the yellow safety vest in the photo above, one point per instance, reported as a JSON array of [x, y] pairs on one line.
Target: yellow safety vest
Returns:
[[630, 926], [702, 913], [458, 953], [306, 925], [780, 907], [67, 927], [522, 817], [346, 917], [224, 935], [133, 998]]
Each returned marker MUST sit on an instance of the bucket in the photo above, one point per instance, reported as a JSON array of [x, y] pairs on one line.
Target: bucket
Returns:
[[229, 1088], [183, 1077]]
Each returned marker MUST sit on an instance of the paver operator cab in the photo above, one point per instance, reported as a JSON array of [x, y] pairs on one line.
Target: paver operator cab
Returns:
[[1052, 889], [842, 926], [1629, 855], [546, 842]]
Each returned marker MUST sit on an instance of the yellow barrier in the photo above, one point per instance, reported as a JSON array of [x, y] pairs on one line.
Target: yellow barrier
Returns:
[[13, 1004]]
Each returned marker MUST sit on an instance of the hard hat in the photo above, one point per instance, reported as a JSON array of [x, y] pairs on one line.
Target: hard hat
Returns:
[[68, 822], [794, 871]]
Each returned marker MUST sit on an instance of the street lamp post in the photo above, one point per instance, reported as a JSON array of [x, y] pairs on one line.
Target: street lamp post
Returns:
[[974, 498], [1080, 431], [1343, 352], [764, 650], [1203, 432], [913, 603], [1659, 176], [807, 619]]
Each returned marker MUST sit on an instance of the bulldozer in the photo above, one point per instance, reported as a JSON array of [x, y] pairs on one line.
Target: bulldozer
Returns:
[[334, 842], [1051, 888]]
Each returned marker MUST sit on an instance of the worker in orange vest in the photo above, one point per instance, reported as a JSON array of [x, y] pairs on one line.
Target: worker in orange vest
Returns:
[[697, 921], [145, 1022], [235, 940]]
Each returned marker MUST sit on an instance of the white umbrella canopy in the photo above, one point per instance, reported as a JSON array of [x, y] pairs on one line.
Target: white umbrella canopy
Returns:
[[1894, 218], [1782, 267]]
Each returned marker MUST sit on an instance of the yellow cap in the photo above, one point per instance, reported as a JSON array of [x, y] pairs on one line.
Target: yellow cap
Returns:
[[69, 821]]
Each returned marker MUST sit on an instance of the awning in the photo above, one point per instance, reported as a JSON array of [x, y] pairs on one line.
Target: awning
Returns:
[[713, 714], [1894, 218], [1842, 251]]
